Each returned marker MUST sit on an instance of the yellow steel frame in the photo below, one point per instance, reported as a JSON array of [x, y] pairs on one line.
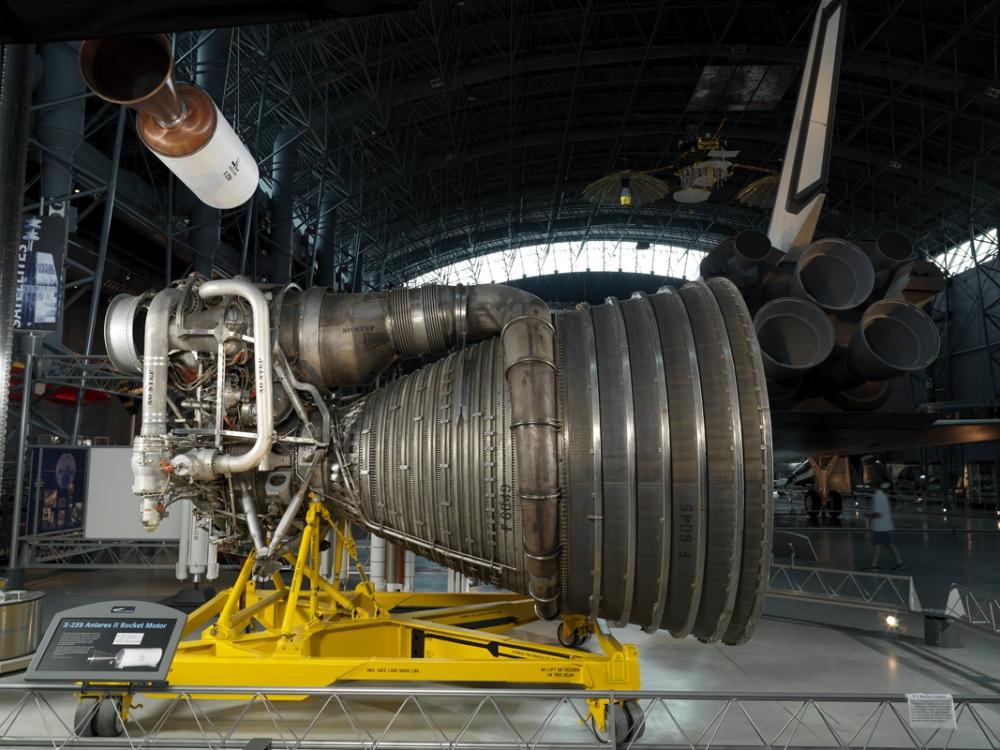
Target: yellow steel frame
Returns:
[[289, 637]]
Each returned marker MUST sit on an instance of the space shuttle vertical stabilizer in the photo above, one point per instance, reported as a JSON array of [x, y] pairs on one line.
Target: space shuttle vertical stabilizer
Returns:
[[804, 173]]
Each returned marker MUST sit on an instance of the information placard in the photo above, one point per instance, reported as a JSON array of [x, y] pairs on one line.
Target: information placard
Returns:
[[120, 641], [931, 710], [37, 296]]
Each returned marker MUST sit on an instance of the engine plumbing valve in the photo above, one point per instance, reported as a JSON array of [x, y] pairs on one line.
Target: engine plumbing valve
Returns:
[[194, 465], [152, 512]]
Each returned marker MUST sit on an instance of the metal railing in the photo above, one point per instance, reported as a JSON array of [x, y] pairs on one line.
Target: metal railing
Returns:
[[844, 587], [455, 719], [978, 609], [73, 550], [96, 370]]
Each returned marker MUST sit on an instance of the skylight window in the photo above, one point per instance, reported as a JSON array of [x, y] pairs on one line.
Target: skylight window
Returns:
[[962, 257], [568, 257]]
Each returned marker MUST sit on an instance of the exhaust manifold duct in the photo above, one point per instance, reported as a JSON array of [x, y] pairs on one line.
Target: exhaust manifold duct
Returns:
[[612, 461]]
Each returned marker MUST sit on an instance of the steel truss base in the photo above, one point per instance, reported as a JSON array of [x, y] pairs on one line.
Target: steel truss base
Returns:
[[290, 636]]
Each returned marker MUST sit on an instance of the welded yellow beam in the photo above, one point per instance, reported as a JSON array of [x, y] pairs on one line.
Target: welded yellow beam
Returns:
[[298, 572], [204, 614], [325, 635], [250, 611]]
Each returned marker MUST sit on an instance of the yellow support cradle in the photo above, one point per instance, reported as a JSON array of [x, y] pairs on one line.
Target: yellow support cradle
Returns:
[[284, 636]]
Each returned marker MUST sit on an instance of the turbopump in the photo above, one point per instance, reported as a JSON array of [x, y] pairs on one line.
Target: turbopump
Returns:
[[612, 461]]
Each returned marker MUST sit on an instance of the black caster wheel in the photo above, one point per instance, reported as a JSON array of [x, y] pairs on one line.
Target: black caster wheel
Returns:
[[572, 638], [107, 720], [813, 503], [629, 725], [83, 718], [834, 504], [636, 721]]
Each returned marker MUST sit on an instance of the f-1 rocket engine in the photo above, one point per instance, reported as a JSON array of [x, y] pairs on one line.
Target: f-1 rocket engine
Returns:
[[612, 461]]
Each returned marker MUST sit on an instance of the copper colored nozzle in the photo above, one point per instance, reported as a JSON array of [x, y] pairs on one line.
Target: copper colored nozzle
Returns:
[[190, 133], [138, 71]]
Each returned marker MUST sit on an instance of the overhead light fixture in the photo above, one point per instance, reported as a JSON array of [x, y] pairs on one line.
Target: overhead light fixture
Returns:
[[625, 195], [892, 621]]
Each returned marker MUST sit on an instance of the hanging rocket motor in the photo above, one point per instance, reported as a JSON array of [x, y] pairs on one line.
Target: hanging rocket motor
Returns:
[[178, 122]]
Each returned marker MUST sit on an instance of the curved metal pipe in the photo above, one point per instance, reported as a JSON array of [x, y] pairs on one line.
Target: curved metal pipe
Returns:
[[894, 337], [235, 464], [433, 318], [291, 386], [794, 336], [528, 342]]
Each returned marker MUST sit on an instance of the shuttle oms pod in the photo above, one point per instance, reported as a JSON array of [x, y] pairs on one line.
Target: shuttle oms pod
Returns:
[[610, 461]]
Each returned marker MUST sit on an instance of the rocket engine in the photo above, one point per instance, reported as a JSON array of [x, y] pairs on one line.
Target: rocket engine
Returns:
[[835, 320], [612, 461]]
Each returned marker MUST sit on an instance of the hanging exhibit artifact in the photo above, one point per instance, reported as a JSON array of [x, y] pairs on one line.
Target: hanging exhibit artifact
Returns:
[[178, 122], [610, 462]]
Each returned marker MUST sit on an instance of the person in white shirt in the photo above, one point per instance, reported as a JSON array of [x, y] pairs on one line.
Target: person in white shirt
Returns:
[[882, 528]]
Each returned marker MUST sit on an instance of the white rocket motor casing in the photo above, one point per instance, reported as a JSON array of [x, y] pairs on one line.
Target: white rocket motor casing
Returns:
[[409, 571], [377, 563], [221, 173], [183, 507], [178, 122], [129, 658], [198, 549], [212, 569]]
